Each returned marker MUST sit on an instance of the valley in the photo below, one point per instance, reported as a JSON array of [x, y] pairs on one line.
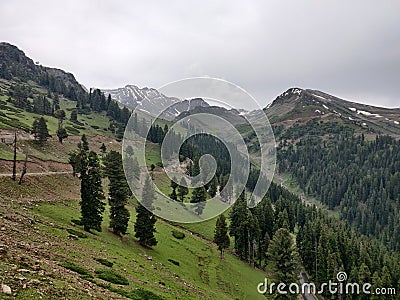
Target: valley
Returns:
[[334, 198]]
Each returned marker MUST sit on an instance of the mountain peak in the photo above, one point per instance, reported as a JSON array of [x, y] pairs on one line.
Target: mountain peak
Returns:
[[151, 101], [299, 105]]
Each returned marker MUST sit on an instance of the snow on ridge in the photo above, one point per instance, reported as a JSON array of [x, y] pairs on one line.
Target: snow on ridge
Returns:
[[320, 97], [365, 113], [297, 91]]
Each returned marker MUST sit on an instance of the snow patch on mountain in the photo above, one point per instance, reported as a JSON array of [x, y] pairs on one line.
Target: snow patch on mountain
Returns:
[[151, 101]]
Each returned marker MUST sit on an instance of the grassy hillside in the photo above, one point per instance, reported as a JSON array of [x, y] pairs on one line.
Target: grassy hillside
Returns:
[[37, 256]]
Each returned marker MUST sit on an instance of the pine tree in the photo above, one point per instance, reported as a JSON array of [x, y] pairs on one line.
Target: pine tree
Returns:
[[62, 134], [74, 115], [92, 197], [129, 150], [212, 190], [136, 168], [173, 195], [40, 131], [85, 144], [60, 115], [199, 197], [118, 193], [173, 185], [237, 215], [221, 237], [182, 190], [145, 220], [103, 149], [56, 102], [281, 255]]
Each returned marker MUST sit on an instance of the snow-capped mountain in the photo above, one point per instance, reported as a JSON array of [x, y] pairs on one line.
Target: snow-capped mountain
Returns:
[[298, 104], [151, 101]]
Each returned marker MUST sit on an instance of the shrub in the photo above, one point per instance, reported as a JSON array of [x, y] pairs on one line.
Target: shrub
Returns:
[[111, 276], [72, 130], [77, 222], [77, 233], [176, 263], [78, 269], [104, 262], [178, 234]]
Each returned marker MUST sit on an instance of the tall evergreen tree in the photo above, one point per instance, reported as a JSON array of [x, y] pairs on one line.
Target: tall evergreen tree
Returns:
[[174, 185], [40, 130], [212, 190], [221, 237], [182, 190], [199, 197], [85, 144], [281, 255], [145, 219], [118, 193], [92, 197]]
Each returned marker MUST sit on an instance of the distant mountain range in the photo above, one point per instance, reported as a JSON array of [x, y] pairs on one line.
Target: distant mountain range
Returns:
[[152, 101], [291, 107]]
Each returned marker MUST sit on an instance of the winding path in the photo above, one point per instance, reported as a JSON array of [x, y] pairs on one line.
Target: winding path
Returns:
[[37, 173]]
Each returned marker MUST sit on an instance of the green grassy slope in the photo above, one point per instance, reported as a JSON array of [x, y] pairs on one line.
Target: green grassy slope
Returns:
[[201, 274]]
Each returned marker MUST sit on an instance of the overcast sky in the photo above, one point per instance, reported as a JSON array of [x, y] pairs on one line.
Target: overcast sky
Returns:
[[350, 49]]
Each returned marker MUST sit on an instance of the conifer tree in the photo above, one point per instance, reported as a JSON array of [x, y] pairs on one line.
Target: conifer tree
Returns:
[[174, 185], [92, 197], [74, 115], [199, 197], [85, 144], [281, 255], [212, 190], [182, 190], [221, 237], [103, 149], [62, 134], [118, 193], [173, 195], [145, 219], [40, 131]]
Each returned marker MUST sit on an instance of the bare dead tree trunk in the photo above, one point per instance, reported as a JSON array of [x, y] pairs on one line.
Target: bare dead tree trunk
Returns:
[[14, 175], [25, 167]]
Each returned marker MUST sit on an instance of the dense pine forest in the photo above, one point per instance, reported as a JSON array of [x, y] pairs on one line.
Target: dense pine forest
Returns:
[[359, 177]]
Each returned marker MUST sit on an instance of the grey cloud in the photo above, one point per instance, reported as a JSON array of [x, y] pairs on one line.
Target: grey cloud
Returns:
[[349, 49]]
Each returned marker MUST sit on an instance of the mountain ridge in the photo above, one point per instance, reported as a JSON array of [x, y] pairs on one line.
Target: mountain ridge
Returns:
[[297, 103], [151, 101]]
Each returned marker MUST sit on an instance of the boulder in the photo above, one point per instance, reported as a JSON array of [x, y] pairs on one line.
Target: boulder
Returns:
[[6, 289]]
